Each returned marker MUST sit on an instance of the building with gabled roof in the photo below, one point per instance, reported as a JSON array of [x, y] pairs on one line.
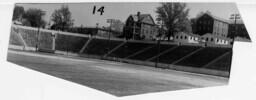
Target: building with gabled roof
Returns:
[[140, 26], [209, 38], [208, 23], [183, 37]]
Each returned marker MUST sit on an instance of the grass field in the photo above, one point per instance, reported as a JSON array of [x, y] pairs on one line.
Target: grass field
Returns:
[[119, 79]]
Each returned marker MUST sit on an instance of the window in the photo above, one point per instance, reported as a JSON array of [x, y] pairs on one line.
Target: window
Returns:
[[177, 37], [206, 39], [185, 37], [181, 37], [211, 39]]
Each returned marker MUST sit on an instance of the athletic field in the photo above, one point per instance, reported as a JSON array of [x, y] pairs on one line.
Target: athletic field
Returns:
[[119, 79]]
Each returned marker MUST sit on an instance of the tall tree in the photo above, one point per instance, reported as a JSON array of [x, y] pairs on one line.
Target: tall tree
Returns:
[[34, 17], [18, 12], [62, 18], [174, 17], [117, 25]]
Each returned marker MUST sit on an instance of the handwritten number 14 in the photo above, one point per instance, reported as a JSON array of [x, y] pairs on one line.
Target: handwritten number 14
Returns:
[[101, 10]]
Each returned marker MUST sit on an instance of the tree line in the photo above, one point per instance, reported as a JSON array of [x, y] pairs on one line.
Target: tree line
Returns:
[[174, 17], [61, 18]]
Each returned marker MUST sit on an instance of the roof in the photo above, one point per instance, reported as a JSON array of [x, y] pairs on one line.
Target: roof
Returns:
[[215, 17], [191, 34], [216, 36], [141, 17]]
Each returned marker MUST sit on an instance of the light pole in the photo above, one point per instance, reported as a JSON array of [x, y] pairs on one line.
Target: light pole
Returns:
[[235, 17], [160, 22], [133, 32], [41, 13]]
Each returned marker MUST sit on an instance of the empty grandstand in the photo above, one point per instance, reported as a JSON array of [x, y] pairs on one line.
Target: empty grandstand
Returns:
[[70, 43], [101, 46], [176, 54], [186, 55], [203, 57], [129, 48], [149, 53]]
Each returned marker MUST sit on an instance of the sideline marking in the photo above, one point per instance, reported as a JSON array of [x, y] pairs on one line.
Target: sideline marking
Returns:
[[47, 56]]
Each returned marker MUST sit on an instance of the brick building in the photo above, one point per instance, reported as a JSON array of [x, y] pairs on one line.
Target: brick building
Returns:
[[140, 26], [207, 23]]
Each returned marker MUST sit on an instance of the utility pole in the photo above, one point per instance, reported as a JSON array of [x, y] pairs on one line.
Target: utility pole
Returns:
[[235, 17], [160, 22]]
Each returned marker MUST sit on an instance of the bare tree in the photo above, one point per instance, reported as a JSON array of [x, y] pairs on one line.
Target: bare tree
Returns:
[[62, 18], [33, 17], [174, 17]]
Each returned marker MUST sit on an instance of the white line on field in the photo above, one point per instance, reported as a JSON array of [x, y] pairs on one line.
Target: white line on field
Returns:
[[47, 56]]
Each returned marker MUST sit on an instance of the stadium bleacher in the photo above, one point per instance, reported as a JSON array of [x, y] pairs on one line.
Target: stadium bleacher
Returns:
[[151, 52], [69, 43], [15, 39], [45, 40], [100, 46], [223, 64], [129, 48], [29, 36], [203, 57], [135, 50], [176, 54]]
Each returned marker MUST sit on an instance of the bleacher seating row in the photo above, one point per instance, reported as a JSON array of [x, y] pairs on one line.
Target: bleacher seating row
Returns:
[[197, 59], [69, 43], [100, 46], [129, 48], [149, 53]]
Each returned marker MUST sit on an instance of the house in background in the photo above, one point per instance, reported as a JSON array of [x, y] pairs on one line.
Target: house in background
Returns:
[[209, 38], [208, 23], [140, 26]]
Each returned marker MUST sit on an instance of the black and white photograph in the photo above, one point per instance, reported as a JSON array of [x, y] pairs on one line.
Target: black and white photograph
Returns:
[[128, 48]]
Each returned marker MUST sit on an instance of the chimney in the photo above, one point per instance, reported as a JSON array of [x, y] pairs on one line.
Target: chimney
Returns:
[[138, 13]]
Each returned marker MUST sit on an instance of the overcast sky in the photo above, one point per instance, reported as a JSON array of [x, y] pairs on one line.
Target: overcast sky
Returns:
[[82, 12]]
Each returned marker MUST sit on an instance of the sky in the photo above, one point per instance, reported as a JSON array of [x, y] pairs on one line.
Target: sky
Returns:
[[82, 12]]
